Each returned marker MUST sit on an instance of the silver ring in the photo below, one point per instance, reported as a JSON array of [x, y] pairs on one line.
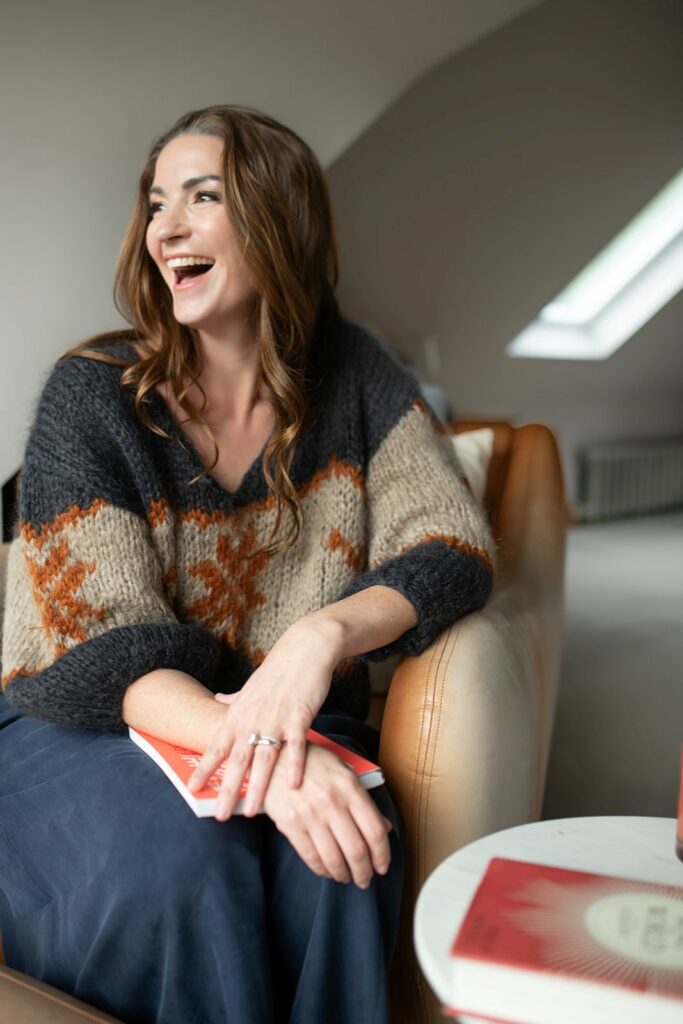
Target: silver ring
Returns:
[[263, 741]]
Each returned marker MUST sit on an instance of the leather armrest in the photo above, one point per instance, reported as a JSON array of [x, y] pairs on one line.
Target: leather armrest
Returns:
[[467, 724], [26, 1001]]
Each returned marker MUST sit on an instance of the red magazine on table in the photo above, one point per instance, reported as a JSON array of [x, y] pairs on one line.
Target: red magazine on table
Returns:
[[545, 945], [178, 763]]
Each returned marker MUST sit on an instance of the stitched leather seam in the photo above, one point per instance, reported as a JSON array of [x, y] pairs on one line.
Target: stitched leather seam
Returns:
[[439, 656], [48, 995], [424, 788], [423, 796], [418, 788], [441, 673], [417, 781]]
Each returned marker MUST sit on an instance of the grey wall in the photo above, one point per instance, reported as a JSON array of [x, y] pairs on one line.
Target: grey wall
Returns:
[[479, 194]]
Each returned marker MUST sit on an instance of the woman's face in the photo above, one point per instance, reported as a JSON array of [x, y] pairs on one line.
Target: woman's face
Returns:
[[190, 237]]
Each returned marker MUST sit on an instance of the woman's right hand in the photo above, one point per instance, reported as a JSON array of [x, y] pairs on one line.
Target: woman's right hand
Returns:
[[330, 820]]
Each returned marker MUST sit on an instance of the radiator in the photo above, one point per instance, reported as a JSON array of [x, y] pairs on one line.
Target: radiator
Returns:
[[623, 478]]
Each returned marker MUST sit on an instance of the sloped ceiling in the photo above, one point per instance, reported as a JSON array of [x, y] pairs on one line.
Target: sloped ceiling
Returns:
[[326, 68]]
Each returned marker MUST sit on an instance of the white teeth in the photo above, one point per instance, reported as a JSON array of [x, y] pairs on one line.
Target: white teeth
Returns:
[[189, 261]]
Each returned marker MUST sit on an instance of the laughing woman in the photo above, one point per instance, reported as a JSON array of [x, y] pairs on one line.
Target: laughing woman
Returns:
[[225, 512]]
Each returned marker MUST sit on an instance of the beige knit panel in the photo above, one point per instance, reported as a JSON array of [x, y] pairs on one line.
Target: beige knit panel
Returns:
[[88, 571], [250, 601], [24, 646], [416, 492]]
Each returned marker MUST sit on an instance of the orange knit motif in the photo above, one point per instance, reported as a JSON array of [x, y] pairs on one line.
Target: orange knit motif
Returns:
[[335, 469], [72, 516], [354, 557], [157, 512], [230, 580], [55, 584]]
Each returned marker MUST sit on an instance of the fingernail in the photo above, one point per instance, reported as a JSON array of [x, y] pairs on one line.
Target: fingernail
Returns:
[[387, 824]]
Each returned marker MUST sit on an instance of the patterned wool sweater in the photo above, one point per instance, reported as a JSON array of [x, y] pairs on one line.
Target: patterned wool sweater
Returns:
[[121, 566]]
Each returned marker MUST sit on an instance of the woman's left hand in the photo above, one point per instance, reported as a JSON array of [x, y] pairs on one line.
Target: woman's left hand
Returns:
[[280, 699]]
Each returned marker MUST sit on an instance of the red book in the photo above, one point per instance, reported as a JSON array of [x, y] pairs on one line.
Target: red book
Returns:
[[178, 763], [544, 945]]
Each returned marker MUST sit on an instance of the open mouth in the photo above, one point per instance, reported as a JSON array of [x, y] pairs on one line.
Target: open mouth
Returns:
[[184, 272], [187, 268]]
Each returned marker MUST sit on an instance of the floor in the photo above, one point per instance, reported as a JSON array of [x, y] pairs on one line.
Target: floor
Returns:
[[619, 725]]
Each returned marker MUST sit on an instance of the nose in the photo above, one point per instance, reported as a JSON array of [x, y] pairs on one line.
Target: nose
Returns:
[[169, 225]]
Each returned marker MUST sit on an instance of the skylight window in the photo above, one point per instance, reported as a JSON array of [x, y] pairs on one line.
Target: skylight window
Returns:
[[633, 277]]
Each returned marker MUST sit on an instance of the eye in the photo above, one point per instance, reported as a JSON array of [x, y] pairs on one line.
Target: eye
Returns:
[[207, 197], [153, 208]]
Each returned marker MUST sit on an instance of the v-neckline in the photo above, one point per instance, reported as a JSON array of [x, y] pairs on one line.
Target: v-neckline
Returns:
[[193, 455], [196, 459]]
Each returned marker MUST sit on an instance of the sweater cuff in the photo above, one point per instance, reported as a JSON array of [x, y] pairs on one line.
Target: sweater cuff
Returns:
[[441, 583], [84, 688]]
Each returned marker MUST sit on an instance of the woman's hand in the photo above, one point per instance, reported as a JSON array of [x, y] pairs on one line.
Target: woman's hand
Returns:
[[280, 699], [331, 821]]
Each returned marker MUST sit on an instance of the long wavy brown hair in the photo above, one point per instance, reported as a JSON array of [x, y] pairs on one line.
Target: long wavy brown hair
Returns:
[[279, 207]]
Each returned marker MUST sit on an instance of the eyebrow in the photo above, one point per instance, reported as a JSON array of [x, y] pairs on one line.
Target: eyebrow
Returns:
[[190, 183]]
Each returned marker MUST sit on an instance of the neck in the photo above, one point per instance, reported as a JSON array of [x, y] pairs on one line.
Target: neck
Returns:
[[230, 371]]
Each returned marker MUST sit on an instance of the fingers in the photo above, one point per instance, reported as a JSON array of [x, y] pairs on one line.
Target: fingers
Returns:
[[234, 770], [296, 755], [263, 765], [353, 842], [260, 774], [351, 851], [305, 847], [334, 858], [214, 755], [374, 828], [337, 852]]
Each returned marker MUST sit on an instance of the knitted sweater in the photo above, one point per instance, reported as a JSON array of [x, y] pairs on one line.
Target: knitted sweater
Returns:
[[121, 566]]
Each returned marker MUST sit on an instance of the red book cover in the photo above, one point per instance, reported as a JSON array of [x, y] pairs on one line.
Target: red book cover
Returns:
[[535, 933], [178, 763]]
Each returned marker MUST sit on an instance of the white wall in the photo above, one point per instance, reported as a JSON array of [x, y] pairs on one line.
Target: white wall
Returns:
[[87, 84], [484, 189]]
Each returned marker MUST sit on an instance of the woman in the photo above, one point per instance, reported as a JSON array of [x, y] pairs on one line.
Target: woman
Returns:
[[254, 507]]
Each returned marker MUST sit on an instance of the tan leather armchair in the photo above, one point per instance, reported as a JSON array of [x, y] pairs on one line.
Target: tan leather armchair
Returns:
[[466, 726]]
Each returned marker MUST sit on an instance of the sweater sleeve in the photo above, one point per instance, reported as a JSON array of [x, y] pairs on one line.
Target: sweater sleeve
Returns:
[[86, 610], [426, 536]]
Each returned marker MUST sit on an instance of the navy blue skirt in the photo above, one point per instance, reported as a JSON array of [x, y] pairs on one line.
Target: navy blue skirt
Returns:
[[112, 890]]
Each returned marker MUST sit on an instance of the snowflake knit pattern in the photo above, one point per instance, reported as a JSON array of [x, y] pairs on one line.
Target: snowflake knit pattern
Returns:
[[121, 566]]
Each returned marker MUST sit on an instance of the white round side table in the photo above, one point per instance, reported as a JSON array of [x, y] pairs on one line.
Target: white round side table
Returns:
[[641, 848]]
